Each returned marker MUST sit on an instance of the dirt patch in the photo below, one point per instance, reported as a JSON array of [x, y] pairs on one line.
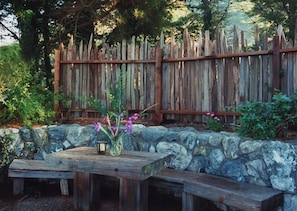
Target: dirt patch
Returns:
[[45, 196], [38, 195]]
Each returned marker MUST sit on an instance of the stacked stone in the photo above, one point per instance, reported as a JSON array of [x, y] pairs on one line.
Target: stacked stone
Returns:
[[269, 163]]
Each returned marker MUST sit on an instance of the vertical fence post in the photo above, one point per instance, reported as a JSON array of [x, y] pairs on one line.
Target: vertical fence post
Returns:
[[276, 61], [57, 77], [158, 116]]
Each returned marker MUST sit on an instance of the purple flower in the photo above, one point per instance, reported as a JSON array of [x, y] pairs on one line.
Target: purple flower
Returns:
[[129, 124], [114, 129], [134, 116], [111, 125], [97, 126]]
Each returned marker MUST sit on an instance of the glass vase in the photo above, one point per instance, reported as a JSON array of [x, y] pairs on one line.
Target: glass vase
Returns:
[[116, 146]]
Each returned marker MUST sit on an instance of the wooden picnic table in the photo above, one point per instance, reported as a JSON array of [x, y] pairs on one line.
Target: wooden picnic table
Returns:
[[133, 168]]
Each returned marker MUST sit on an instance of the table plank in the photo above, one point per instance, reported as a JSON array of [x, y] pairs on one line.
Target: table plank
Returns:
[[131, 167], [130, 164]]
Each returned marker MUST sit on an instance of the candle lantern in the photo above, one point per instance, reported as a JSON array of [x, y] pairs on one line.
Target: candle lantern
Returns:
[[101, 147]]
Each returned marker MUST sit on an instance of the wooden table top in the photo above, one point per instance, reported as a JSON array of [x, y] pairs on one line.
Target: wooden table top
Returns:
[[138, 165]]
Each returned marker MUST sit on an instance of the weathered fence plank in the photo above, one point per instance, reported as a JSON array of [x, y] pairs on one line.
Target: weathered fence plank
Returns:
[[197, 75]]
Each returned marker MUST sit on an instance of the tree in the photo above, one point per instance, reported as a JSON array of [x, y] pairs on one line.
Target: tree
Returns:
[[211, 13], [44, 24], [140, 17], [33, 19], [277, 12]]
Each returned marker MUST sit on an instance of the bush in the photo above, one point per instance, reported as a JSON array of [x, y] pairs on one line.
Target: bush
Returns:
[[6, 150], [213, 122], [263, 120], [23, 95]]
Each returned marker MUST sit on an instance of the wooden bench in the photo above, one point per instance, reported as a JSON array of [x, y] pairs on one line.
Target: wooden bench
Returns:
[[20, 169], [171, 180], [193, 187], [190, 186]]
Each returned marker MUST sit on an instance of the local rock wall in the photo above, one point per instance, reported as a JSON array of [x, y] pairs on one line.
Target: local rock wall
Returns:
[[266, 163]]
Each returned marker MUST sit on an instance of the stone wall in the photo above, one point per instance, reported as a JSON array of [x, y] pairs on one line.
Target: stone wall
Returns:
[[266, 163]]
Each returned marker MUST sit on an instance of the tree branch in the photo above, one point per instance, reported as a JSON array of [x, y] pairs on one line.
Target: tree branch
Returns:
[[13, 34]]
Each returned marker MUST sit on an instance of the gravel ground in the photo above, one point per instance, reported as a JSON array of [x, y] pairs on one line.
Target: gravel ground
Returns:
[[48, 203], [45, 196]]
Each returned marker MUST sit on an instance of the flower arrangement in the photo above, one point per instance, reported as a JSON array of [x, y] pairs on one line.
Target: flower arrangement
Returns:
[[114, 124], [114, 127], [213, 122]]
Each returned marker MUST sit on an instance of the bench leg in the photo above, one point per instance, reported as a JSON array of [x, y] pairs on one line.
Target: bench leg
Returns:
[[64, 187], [188, 202], [191, 202], [18, 186]]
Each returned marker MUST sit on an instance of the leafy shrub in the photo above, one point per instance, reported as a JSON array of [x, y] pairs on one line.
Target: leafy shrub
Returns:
[[213, 122], [263, 120], [6, 151], [22, 94], [115, 100]]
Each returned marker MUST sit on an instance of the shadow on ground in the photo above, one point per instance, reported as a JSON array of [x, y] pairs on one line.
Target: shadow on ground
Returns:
[[45, 195]]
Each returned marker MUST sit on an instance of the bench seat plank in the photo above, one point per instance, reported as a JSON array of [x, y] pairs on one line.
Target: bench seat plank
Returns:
[[171, 180], [36, 169], [21, 168], [243, 196], [177, 176]]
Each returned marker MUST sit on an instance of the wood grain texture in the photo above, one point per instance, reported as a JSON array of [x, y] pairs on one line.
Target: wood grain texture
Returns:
[[21, 168], [132, 167], [198, 74], [243, 196], [133, 195], [36, 169], [130, 164], [194, 188]]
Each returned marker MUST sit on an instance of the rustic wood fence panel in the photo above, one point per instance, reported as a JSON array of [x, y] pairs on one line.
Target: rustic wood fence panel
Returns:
[[184, 79]]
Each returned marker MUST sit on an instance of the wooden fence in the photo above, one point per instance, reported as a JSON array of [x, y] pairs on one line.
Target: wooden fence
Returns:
[[184, 80]]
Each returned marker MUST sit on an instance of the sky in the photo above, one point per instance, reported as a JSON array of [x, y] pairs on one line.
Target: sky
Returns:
[[238, 17], [5, 39]]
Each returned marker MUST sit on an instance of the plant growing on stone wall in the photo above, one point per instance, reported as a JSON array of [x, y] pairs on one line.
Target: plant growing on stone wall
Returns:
[[264, 120], [65, 101], [115, 100], [213, 122], [6, 152]]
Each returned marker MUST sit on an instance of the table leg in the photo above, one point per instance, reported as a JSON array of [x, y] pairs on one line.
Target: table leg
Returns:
[[133, 195], [86, 191]]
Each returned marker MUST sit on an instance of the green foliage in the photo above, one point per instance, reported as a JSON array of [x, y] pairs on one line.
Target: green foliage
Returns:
[[139, 17], [276, 12], [6, 151], [22, 95], [209, 14], [96, 104], [26, 103], [9, 60], [115, 100], [213, 122], [65, 101], [263, 120], [192, 22], [116, 96], [29, 39]]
